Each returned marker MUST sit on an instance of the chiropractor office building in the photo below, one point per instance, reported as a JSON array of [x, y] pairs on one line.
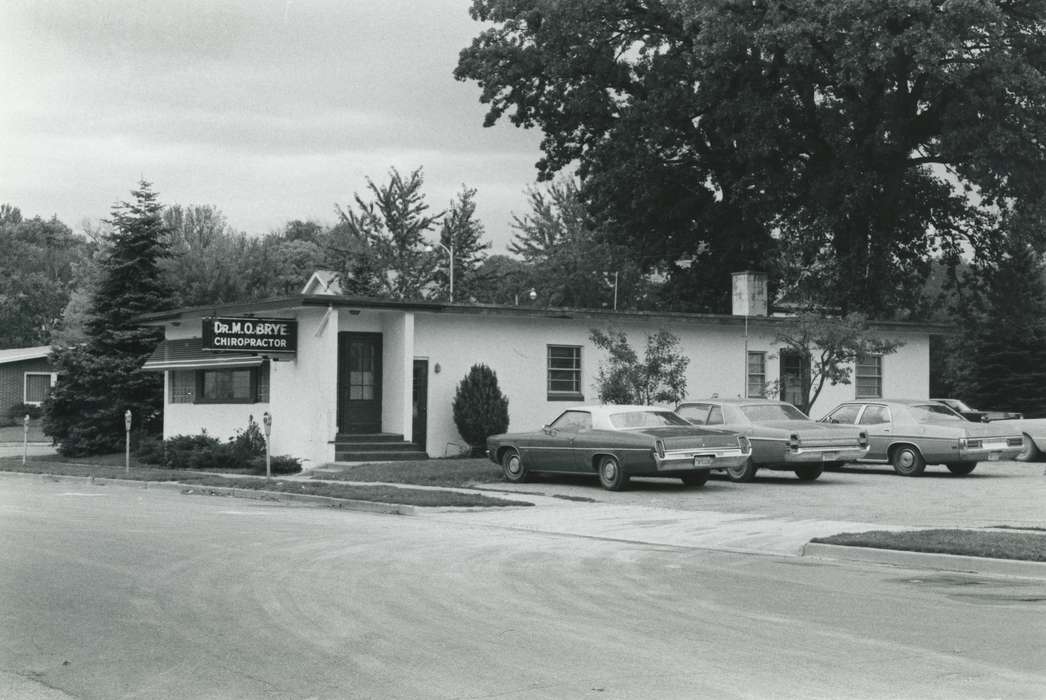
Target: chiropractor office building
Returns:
[[327, 366]]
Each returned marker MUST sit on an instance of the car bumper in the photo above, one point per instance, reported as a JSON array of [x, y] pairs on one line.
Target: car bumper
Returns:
[[989, 453], [808, 455], [689, 460]]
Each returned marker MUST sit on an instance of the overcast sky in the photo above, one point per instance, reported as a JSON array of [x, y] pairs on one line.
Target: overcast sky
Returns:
[[269, 110]]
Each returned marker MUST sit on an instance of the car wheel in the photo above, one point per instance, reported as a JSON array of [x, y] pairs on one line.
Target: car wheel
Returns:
[[1029, 451], [907, 461], [694, 478], [611, 475], [743, 472], [512, 466], [808, 472], [962, 468]]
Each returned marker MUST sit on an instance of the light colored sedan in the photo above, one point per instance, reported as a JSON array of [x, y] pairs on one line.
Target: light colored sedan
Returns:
[[909, 434], [1033, 433], [782, 436]]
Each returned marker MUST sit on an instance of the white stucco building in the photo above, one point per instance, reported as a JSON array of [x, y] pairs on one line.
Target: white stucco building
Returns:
[[364, 367]]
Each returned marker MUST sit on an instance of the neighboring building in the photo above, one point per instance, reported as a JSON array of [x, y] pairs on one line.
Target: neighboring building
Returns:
[[352, 366], [26, 376]]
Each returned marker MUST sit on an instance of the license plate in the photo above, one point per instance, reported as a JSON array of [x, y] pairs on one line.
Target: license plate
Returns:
[[994, 456], [702, 461], [828, 456]]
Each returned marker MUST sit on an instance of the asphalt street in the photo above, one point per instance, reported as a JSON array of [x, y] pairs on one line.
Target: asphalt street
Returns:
[[110, 591]]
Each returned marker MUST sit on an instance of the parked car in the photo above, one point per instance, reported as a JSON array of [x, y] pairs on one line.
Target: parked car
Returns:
[[909, 434], [782, 436], [977, 416], [616, 443], [1033, 434]]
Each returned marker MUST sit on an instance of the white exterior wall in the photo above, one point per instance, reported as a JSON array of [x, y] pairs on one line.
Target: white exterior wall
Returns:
[[304, 392], [515, 348]]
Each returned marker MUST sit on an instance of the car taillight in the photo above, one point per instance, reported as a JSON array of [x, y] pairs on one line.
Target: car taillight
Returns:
[[744, 444], [794, 442], [862, 439], [659, 447]]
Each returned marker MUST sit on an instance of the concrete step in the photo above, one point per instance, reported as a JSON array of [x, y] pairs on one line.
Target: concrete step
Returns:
[[379, 456]]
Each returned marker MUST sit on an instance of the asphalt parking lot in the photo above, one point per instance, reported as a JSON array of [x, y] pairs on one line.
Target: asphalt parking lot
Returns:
[[1007, 494]]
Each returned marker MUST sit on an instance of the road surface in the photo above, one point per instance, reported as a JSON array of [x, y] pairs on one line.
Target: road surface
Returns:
[[115, 591]]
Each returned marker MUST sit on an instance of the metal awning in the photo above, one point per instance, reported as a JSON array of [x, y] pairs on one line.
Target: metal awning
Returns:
[[189, 354]]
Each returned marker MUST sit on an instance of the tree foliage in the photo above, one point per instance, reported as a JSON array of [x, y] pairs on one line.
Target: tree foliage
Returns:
[[103, 377], [573, 263], [660, 378], [854, 138], [997, 360], [480, 409], [828, 348], [380, 245], [38, 260], [461, 232]]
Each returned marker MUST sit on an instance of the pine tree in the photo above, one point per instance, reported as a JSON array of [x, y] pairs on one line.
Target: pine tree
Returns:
[[999, 360], [103, 377]]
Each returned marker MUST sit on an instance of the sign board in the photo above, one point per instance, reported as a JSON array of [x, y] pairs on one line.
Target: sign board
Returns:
[[257, 335]]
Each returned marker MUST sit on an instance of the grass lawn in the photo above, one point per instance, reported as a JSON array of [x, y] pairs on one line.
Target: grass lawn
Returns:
[[112, 467], [426, 472], [993, 544]]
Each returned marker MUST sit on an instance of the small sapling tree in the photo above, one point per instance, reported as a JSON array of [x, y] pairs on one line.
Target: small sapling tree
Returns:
[[624, 379], [480, 409]]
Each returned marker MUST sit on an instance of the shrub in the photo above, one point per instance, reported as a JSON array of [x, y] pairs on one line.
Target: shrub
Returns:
[[190, 451], [278, 464], [480, 409], [150, 451], [18, 411]]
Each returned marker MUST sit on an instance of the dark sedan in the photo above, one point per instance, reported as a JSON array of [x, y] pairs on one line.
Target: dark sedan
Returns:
[[616, 443]]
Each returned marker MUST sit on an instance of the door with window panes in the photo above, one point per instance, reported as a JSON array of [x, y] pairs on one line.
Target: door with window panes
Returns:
[[359, 383]]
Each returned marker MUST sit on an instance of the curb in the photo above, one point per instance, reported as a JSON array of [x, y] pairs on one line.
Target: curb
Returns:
[[925, 560], [253, 494]]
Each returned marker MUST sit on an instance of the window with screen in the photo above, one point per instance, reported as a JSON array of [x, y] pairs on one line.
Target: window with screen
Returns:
[[564, 373], [37, 387], [756, 374], [868, 377]]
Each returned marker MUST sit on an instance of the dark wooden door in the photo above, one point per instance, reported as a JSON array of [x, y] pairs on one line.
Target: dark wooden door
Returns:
[[421, 402], [359, 382]]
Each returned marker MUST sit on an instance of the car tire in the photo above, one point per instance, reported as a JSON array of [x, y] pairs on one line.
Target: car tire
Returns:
[[694, 478], [808, 472], [907, 460], [743, 473], [1030, 452], [512, 467], [611, 475], [962, 468]]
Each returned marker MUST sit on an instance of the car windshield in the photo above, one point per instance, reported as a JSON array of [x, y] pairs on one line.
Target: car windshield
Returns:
[[761, 412], [956, 404], [645, 419], [933, 413]]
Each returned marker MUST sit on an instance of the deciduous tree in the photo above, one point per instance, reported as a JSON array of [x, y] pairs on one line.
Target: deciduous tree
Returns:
[[660, 378], [860, 135]]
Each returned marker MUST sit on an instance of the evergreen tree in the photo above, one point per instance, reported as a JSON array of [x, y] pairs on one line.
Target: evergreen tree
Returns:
[[461, 232], [998, 361], [480, 409], [102, 378]]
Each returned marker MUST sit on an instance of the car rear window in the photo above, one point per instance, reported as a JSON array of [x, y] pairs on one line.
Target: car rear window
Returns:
[[934, 413], [645, 419], [772, 411]]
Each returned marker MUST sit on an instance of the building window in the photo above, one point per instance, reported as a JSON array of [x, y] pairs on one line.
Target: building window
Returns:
[[564, 373], [37, 387], [241, 385], [868, 377], [182, 386], [756, 374]]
